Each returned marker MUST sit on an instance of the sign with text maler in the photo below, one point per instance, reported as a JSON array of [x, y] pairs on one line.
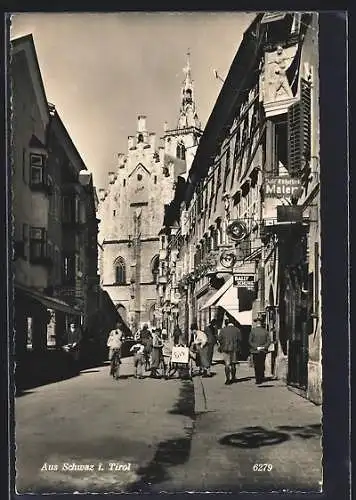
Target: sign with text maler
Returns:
[[245, 281], [281, 187]]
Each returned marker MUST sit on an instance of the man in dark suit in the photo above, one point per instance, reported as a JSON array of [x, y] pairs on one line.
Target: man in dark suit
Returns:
[[259, 343], [229, 341], [210, 332]]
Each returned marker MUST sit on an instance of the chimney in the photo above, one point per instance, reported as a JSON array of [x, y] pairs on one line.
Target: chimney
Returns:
[[152, 140], [165, 126], [112, 177], [141, 123], [131, 142]]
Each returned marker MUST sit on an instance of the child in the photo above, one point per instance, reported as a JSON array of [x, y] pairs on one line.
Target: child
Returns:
[[167, 354], [139, 358]]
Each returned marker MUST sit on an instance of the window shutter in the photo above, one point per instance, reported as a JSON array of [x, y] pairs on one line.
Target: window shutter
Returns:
[[299, 127], [306, 118], [294, 139]]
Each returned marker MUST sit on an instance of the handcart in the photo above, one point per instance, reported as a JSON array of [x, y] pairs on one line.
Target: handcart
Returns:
[[181, 361]]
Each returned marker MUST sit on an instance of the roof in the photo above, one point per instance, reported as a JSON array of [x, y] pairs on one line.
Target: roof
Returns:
[[36, 143], [171, 211], [236, 82], [27, 44], [62, 134]]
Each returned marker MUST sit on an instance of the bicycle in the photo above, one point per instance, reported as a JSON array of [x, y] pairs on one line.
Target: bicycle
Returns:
[[115, 364]]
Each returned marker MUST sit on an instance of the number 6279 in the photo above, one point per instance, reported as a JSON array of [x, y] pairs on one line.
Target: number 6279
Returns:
[[262, 467]]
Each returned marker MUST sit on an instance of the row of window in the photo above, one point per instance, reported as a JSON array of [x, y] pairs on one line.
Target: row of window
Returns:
[[73, 209], [289, 151], [42, 251], [120, 269]]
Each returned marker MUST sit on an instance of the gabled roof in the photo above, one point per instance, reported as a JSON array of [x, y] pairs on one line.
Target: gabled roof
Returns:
[[233, 89], [36, 143], [63, 136], [137, 167], [27, 45]]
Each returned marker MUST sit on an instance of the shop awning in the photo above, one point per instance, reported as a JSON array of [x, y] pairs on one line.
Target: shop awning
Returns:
[[270, 17], [230, 302], [214, 298], [50, 302]]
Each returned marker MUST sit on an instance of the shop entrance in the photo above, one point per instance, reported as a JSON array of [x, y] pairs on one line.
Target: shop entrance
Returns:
[[298, 351]]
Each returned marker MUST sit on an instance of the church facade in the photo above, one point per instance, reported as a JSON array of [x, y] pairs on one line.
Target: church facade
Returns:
[[131, 209]]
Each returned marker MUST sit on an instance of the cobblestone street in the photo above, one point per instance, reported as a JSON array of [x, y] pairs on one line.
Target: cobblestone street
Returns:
[[171, 435]]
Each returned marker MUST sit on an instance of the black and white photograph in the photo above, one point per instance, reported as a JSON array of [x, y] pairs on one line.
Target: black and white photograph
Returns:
[[167, 252]]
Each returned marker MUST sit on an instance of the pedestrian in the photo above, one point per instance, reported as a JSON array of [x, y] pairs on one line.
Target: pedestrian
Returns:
[[146, 340], [177, 333], [139, 358], [259, 342], [167, 354], [229, 342], [114, 343], [74, 338], [199, 344], [210, 332], [183, 338], [156, 354]]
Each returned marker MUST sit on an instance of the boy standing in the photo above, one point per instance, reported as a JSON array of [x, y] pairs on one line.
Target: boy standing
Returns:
[[167, 354], [139, 359]]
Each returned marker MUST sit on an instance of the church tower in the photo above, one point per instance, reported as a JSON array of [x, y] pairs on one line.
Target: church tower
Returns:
[[131, 209], [182, 141]]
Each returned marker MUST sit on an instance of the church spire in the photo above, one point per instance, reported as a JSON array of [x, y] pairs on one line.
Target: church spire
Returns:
[[188, 116]]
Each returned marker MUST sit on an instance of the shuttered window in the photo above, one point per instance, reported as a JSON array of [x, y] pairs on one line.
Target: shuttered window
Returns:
[[299, 128]]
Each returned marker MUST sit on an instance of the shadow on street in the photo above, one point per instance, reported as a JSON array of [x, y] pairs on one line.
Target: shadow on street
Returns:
[[243, 379], [257, 437], [170, 452]]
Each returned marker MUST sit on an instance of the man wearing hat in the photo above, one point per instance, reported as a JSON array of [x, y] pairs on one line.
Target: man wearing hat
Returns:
[[259, 343], [229, 340]]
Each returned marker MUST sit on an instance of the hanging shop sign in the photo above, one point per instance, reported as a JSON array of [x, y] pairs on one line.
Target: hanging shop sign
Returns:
[[244, 281], [227, 259], [237, 230], [281, 187], [290, 213]]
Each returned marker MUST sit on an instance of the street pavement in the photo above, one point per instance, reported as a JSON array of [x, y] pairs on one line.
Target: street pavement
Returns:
[[165, 436]]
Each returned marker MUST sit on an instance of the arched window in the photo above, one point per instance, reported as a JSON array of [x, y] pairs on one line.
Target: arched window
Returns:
[[140, 138], [181, 151], [120, 271], [155, 267]]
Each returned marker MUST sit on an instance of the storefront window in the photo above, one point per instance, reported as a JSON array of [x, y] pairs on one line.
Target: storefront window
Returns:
[[29, 332], [51, 337]]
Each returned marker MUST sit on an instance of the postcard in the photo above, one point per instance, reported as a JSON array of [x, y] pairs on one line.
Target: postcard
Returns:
[[167, 252]]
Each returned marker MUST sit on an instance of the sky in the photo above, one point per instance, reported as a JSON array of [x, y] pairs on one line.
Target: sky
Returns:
[[103, 70]]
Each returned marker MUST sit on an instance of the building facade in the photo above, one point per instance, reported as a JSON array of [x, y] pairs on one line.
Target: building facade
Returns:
[[54, 211], [132, 209], [242, 232]]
